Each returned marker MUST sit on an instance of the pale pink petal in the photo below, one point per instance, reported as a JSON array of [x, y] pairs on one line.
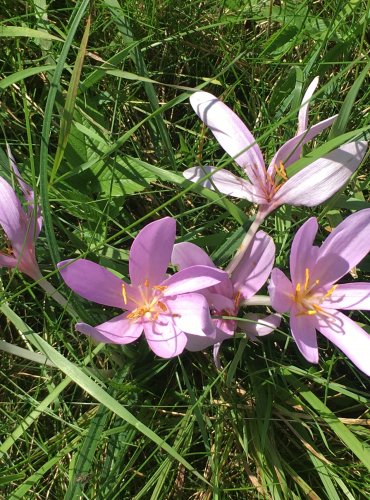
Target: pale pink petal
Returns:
[[13, 219], [255, 267], [304, 333], [291, 151], [350, 338], [344, 248], [220, 302], [26, 189], [193, 279], [7, 261], [231, 133], [281, 291], [258, 325], [187, 254], [164, 338], [349, 296], [303, 112], [321, 179], [191, 314], [301, 255], [151, 251], [197, 343], [225, 182], [93, 282], [118, 330]]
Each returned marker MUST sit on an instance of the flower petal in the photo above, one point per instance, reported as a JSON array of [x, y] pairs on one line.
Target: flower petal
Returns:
[[8, 261], [191, 314], [349, 296], [291, 151], [93, 282], [187, 254], [257, 325], [321, 179], [225, 182], [231, 133], [304, 333], [198, 343], [344, 248], [350, 338], [164, 339], [151, 251], [118, 330], [193, 279], [255, 267], [303, 112], [301, 254], [281, 291], [12, 217]]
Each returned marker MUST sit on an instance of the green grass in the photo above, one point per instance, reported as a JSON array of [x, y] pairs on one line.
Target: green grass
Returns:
[[104, 132]]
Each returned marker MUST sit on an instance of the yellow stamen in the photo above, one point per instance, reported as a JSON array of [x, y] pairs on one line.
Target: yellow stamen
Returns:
[[160, 288], [280, 170], [307, 272], [330, 291], [124, 294], [162, 306], [146, 283]]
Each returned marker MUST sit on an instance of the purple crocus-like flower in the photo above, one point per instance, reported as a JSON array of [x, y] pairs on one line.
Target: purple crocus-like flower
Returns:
[[165, 308], [312, 296], [225, 298], [21, 226], [270, 187]]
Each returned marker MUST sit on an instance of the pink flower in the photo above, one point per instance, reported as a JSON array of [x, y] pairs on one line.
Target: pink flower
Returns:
[[313, 298], [21, 226], [270, 187], [225, 298], [165, 308]]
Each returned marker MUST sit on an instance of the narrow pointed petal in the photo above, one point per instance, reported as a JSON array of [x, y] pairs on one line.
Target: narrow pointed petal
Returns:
[[304, 333], [350, 338], [291, 151], [225, 182], [303, 112], [93, 282], [344, 248], [13, 219], [151, 251], [193, 279], [321, 179], [26, 188], [349, 296], [281, 291], [186, 254], [8, 261], [191, 314], [164, 339], [118, 330], [257, 325], [231, 133], [301, 255], [255, 267]]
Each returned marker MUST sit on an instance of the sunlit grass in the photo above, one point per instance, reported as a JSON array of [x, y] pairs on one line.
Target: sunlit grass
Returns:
[[268, 425]]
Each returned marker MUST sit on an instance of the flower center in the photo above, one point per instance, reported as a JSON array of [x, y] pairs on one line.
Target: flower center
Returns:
[[150, 302], [309, 300], [272, 183]]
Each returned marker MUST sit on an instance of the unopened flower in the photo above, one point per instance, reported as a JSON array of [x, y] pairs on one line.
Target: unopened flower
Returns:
[[271, 187], [165, 308], [21, 226], [312, 296], [225, 298]]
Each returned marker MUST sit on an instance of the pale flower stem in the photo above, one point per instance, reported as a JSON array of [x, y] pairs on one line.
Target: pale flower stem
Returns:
[[246, 241], [54, 294], [257, 300]]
